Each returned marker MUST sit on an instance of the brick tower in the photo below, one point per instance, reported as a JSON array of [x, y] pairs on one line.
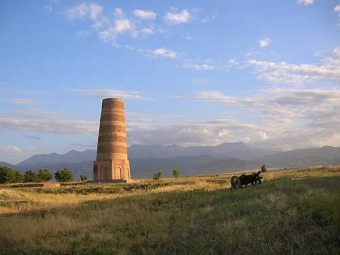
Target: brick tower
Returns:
[[112, 161]]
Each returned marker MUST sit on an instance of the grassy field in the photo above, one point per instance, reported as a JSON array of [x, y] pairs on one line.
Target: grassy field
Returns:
[[292, 212]]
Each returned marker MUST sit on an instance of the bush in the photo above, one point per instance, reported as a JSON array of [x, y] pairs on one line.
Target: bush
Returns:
[[8, 175], [263, 168], [83, 178], [64, 175], [30, 176], [18, 177], [44, 175], [158, 176], [176, 173]]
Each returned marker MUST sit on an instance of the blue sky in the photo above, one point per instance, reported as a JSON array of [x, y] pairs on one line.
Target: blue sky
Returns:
[[266, 73]]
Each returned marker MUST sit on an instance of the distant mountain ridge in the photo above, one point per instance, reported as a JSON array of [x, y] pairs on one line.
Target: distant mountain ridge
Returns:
[[69, 157], [326, 155], [145, 160], [225, 150]]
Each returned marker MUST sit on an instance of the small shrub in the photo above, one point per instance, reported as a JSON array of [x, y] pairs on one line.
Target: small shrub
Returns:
[[44, 175], [30, 176], [158, 176], [64, 175], [176, 173], [83, 178], [263, 168]]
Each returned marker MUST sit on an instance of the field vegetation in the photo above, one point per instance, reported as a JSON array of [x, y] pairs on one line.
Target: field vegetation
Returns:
[[292, 212]]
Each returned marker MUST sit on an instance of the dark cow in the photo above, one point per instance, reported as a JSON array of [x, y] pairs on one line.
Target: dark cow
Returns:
[[245, 179], [235, 182]]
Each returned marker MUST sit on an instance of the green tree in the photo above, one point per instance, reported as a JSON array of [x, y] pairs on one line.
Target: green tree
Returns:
[[64, 175], [18, 177], [44, 175], [176, 173], [8, 175], [158, 175], [30, 176], [83, 178], [263, 168]]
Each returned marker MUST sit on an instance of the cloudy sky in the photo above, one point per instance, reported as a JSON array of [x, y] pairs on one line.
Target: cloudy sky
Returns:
[[263, 72]]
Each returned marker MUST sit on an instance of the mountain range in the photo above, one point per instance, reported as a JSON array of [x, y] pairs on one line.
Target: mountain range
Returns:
[[145, 160]]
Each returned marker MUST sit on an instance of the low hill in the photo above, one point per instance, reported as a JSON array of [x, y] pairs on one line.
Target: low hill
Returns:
[[326, 155], [6, 164]]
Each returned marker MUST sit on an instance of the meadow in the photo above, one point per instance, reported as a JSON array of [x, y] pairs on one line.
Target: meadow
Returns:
[[292, 212]]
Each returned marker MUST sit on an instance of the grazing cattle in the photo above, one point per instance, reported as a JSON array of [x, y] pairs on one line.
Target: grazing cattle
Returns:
[[235, 182], [245, 179], [255, 178]]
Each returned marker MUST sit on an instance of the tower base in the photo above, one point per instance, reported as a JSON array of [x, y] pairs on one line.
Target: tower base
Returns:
[[111, 170]]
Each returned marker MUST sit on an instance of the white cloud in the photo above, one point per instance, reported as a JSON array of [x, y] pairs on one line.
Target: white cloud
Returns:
[[291, 118], [204, 67], [161, 52], [147, 31], [177, 17], [110, 27], [95, 10], [121, 26], [265, 42], [144, 14], [306, 2], [83, 34], [209, 132], [77, 12], [19, 101], [39, 120], [299, 74], [233, 62], [14, 149], [33, 137], [118, 27], [208, 18], [210, 96], [119, 12], [264, 136], [337, 8], [48, 7], [199, 81], [92, 11], [106, 93]]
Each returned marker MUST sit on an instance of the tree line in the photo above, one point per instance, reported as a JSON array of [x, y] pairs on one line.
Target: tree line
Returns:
[[9, 175]]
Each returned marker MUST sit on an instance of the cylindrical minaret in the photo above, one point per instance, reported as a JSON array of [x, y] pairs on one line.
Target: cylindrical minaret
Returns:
[[112, 161]]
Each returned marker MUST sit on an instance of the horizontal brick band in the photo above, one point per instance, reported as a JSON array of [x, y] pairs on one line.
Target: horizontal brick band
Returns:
[[113, 105], [110, 133], [111, 149], [113, 117], [111, 137], [112, 128], [111, 156], [112, 111]]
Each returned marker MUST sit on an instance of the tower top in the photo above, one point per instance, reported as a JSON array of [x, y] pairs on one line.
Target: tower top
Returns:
[[113, 99]]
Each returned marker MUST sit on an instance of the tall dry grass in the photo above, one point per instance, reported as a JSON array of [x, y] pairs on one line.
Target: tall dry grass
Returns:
[[292, 212]]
